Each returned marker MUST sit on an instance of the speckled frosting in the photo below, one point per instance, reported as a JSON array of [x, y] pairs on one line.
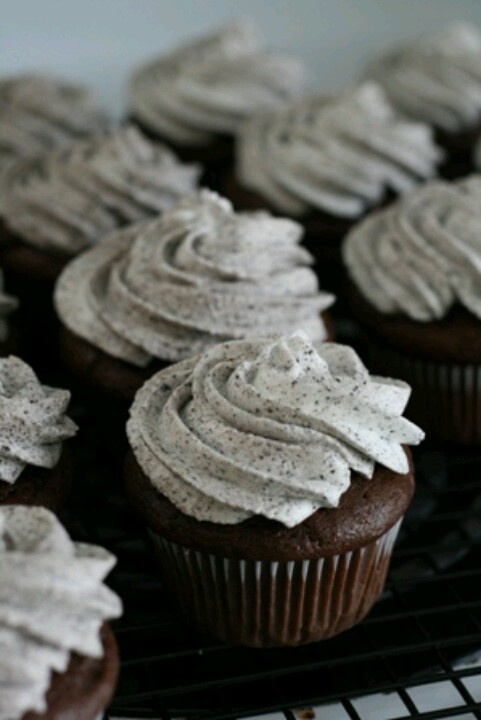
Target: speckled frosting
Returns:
[[68, 201], [212, 85], [267, 428], [40, 114], [53, 603], [33, 423], [199, 275], [339, 155], [7, 305], [423, 254], [436, 79]]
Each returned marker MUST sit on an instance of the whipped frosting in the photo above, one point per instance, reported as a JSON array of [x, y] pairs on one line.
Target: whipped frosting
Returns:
[[435, 79], [7, 305], [423, 254], [53, 603], [339, 155], [40, 114], [33, 423], [70, 200], [198, 275], [212, 85], [271, 428]]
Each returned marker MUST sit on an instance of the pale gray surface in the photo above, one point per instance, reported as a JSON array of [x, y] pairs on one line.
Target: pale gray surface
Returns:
[[99, 41]]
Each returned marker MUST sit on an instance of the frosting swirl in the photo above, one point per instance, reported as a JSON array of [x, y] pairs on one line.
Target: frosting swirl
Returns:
[[7, 305], [267, 428], [421, 255], [33, 423], [338, 155], [212, 85], [53, 603], [39, 114], [197, 276], [435, 79], [70, 200]]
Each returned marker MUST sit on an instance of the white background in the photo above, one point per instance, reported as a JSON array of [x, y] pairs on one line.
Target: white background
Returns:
[[99, 41]]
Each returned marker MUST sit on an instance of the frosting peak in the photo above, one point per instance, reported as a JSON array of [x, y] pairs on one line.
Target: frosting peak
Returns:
[[339, 154], [197, 276], [212, 85], [53, 603], [422, 255], [40, 114], [272, 428], [33, 423], [436, 78], [70, 200]]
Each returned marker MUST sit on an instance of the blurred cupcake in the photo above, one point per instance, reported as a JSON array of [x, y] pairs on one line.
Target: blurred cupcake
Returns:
[[416, 287], [328, 161], [8, 336], [163, 291], [65, 202], [58, 657], [273, 477], [196, 97], [39, 114], [35, 468], [436, 79]]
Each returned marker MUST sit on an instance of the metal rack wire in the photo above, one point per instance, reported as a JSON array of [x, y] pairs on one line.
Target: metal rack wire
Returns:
[[424, 631]]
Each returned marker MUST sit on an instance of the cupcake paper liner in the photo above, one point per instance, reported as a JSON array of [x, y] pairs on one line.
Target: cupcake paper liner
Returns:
[[446, 397], [263, 603]]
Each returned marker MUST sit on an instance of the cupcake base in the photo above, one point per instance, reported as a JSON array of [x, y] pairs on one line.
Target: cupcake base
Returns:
[[459, 149], [40, 486], [261, 584], [86, 688]]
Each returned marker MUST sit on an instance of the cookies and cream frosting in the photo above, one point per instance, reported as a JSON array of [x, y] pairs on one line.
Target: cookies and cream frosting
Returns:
[[39, 114], [68, 201], [7, 305], [435, 79], [339, 155], [423, 254], [212, 85], [197, 276], [271, 428], [53, 603], [33, 423]]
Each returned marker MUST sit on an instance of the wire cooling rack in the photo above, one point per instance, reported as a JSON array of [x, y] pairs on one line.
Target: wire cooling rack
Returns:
[[424, 634]]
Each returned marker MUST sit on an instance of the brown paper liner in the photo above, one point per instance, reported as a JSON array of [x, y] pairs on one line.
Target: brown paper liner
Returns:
[[266, 604], [446, 397]]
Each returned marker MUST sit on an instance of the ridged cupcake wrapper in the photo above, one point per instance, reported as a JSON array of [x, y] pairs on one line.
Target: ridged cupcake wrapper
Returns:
[[262, 603], [446, 397]]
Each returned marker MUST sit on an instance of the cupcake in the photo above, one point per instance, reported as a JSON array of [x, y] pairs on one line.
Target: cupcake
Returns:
[[56, 207], [415, 273], [436, 79], [196, 97], [58, 656], [327, 162], [165, 290], [273, 477], [39, 114], [35, 467]]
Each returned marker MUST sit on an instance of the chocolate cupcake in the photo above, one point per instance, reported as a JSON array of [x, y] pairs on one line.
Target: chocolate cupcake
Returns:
[[327, 162], [58, 206], [162, 291], [196, 97], [58, 657], [39, 113], [436, 79], [35, 468], [415, 273], [273, 479]]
